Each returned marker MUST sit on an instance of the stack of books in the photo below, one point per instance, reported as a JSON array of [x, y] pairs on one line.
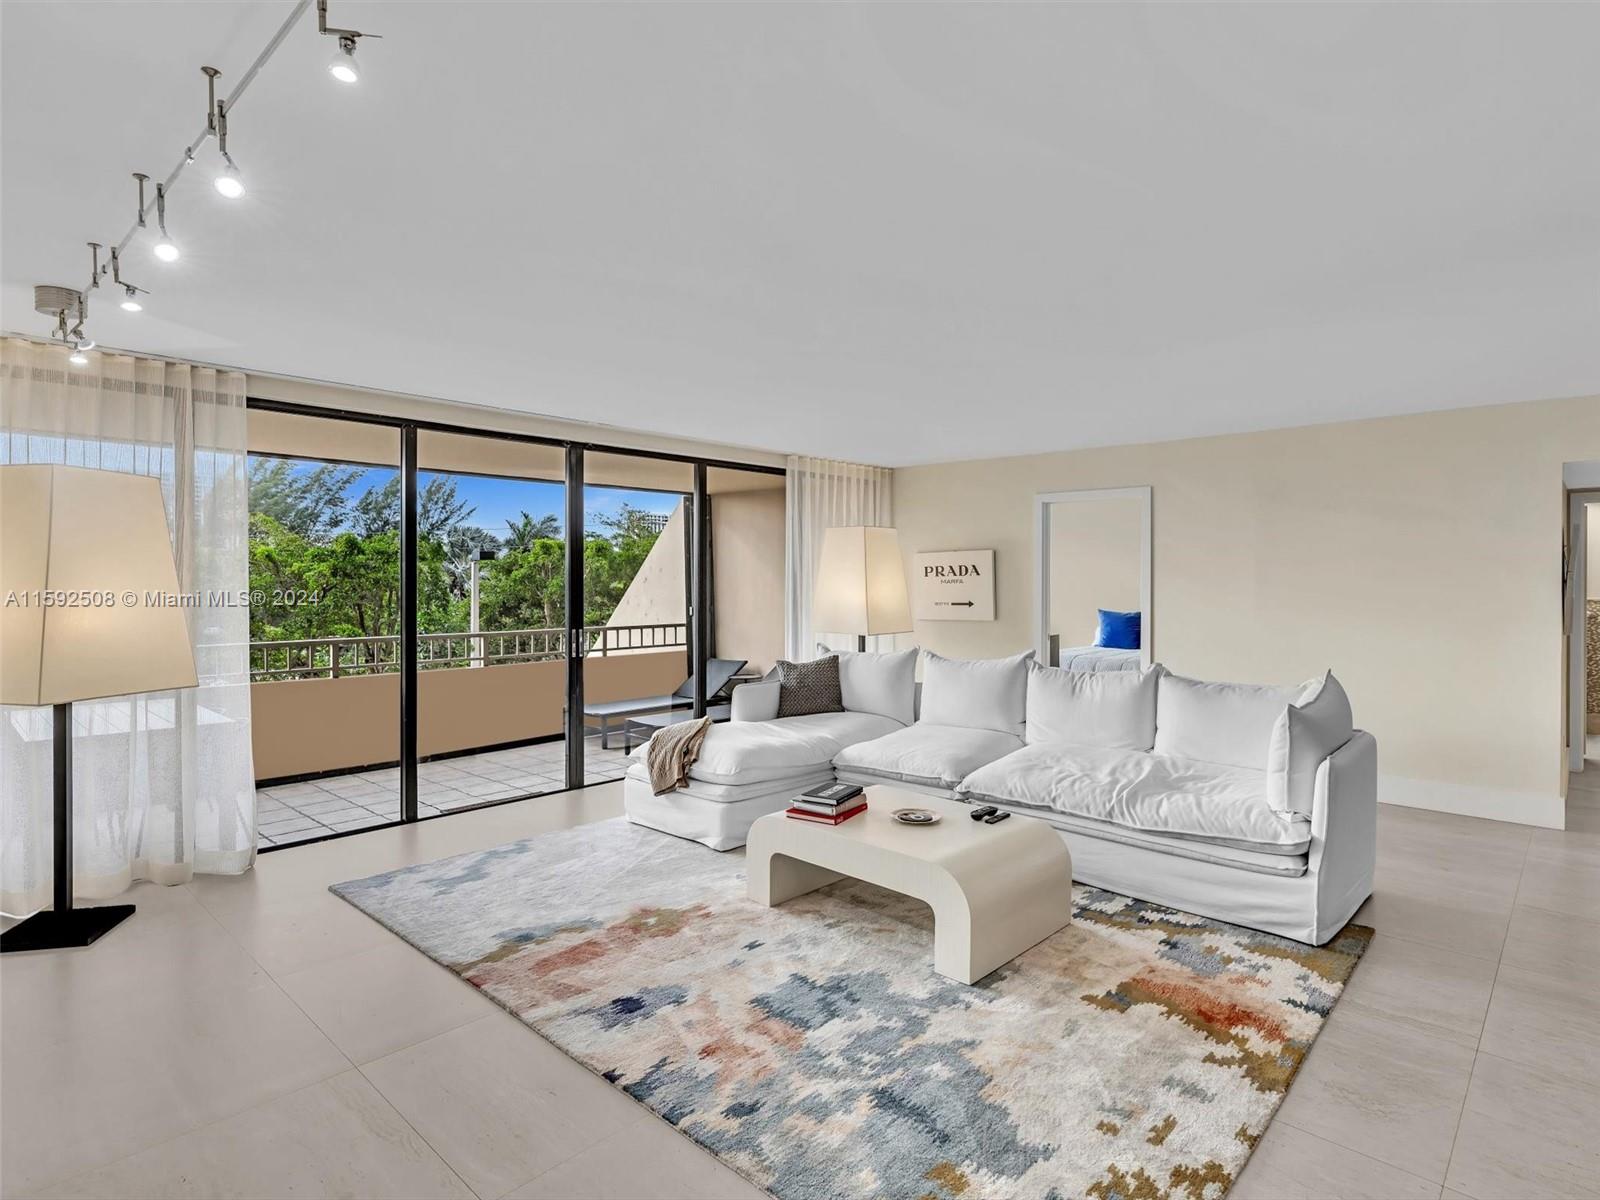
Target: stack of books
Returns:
[[830, 804]]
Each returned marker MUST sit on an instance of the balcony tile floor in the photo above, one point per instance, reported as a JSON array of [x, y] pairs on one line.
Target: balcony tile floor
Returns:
[[297, 812]]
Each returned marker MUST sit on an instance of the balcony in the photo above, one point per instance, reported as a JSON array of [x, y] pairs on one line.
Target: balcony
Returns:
[[491, 709]]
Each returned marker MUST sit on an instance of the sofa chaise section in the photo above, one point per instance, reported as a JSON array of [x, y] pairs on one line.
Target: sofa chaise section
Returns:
[[751, 766]]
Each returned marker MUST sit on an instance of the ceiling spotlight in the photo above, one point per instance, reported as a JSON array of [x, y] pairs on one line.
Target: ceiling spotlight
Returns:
[[228, 181], [165, 248], [130, 294], [78, 358], [343, 67]]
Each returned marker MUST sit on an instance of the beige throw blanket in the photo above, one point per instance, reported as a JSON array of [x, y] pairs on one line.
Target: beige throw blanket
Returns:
[[672, 752]]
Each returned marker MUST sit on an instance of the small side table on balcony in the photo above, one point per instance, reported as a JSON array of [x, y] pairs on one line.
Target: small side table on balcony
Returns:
[[642, 728]]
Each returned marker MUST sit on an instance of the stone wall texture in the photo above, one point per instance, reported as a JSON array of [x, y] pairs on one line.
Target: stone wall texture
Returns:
[[1591, 649]]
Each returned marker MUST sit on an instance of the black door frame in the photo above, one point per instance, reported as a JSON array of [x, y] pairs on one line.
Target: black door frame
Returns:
[[699, 632]]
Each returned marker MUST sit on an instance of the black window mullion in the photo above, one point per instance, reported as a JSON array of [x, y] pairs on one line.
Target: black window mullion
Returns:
[[408, 623], [700, 570], [574, 616]]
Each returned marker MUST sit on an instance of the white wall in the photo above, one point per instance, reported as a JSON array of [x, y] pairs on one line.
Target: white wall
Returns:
[[1418, 556]]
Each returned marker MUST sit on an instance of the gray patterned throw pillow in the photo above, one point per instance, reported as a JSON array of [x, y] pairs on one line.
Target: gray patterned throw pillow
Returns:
[[809, 687]]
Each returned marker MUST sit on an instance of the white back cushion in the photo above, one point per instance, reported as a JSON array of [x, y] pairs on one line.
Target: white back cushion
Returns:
[[1115, 710], [885, 684], [1228, 723], [985, 693], [1305, 734]]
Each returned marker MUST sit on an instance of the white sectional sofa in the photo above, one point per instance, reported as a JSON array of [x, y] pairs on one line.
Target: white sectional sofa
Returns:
[[747, 769], [1252, 804]]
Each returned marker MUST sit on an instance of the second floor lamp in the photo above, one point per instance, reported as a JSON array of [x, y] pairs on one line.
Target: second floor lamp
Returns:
[[861, 584]]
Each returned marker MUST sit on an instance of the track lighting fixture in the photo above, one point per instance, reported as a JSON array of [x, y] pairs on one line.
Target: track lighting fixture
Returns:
[[69, 308], [165, 248], [130, 294], [228, 181], [343, 65]]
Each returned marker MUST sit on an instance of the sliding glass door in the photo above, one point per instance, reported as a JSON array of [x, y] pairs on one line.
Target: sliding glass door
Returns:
[[491, 620], [325, 564], [444, 618], [636, 603]]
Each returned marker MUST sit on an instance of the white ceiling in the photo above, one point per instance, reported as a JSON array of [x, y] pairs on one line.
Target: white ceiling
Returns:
[[894, 233]]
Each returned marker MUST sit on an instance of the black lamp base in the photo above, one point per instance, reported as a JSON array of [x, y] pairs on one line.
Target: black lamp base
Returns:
[[51, 930]]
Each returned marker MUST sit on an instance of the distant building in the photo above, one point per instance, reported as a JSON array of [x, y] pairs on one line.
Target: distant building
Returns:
[[655, 522]]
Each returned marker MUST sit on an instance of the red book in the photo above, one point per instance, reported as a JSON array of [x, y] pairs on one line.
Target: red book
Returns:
[[800, 814]]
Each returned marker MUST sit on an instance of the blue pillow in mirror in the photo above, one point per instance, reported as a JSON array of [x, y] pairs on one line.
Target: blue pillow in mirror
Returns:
[[1118, 630]]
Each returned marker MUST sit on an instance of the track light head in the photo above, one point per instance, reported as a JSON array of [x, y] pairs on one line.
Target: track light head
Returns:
[[165, 248], [78, 358], [130, 299], [229, 182], [343, 66]]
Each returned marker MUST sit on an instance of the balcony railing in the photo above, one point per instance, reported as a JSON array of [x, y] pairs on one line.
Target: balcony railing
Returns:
[[334, 657]]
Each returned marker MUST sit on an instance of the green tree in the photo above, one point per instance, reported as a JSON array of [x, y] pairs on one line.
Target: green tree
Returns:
[[526, 589], [525, 530], [311, 503], [439, 509]]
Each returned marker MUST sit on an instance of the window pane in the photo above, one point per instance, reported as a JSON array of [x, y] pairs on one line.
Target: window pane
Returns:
[[491, 613], [324, 625]]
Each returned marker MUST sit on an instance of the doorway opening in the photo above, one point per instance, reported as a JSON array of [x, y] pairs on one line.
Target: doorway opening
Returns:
[[1581, 617]]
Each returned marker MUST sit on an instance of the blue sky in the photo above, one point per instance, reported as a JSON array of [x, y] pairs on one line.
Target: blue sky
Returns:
[[499, 501]]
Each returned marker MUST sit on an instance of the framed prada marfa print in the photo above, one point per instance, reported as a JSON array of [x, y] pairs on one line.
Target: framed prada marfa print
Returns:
[[953, 585]]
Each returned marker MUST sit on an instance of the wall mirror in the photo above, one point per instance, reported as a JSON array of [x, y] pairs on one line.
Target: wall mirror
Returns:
[[1092, 578]]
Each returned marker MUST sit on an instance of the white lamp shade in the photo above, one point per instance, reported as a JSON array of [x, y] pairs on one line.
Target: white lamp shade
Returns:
[[861, 583], [96, 538]]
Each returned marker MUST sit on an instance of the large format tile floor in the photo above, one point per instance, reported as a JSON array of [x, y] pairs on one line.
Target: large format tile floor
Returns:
[[256, 1036]]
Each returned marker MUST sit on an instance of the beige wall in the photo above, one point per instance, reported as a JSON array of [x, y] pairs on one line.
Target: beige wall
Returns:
[[747, 536], [659, 591], [459, 412], [1094, 563], [1417, 556], [302, 726]]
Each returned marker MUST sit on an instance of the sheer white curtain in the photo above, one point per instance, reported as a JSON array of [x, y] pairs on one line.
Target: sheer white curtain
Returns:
[[823, 493], [163, 783]]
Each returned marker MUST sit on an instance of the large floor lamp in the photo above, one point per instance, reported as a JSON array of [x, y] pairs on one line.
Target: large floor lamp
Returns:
[[861, 583], [89, 607]]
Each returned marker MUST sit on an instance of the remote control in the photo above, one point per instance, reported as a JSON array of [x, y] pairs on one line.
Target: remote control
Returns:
[[996, 818], [979, 814]]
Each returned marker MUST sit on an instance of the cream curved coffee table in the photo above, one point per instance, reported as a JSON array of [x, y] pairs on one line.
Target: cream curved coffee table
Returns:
[[995, 890]]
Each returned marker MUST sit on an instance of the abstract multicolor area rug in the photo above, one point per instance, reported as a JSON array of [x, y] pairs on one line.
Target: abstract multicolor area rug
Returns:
[[1138, 1053]]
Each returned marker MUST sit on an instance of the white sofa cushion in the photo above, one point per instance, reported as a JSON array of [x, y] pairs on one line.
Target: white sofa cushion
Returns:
[[1112, 709], [885, 684], [1307, 731], [984, 693], [1182, 798], [752, 751], [936, 755], [757, 700], [1228, 723]]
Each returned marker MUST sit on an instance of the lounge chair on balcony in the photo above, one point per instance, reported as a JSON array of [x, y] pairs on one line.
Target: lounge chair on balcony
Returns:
[[719, 673]]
